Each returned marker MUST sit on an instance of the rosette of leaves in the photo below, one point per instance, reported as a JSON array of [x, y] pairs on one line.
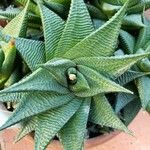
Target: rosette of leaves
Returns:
[[133, 19], [141, 45], [71, 71]]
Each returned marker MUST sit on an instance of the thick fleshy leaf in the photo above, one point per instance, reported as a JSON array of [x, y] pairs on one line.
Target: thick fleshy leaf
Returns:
[[144, 35], [31, 51], [53, 26], [18, 26], [141, 5], [10, 13], [143, 85], [98, 83], [133, 21], [60, 9], [122, 100], [32, 6], [78, 26], [96, 13], [113, 66], [2, 57], [34, 103], [102, 42], [40, 80], [103, 114], [131, 110], [11, 97], [127, 42], [51, 122], [130, 76], [27, 127], [72, 134]]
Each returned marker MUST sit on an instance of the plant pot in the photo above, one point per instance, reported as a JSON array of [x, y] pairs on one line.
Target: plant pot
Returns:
[[113, 141]]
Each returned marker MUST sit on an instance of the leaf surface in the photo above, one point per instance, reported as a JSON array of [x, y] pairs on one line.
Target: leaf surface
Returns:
[[53, 26], [114, 66], [78, 26], [49, 124], [102, 42], [103, 114], [18, 26], [40, 80], [72, 134], [98, 83], [31, 51], [33, 104]]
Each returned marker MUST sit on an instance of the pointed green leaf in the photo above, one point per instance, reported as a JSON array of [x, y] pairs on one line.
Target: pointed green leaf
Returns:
[[31, 51], [103, 114], [78, 26], [18, 26], [95, 12], [133, 21], [113, 66], [127, 42], [141, 5], [144, 35], [102, 42], [39, 80], [130, 76], [122, 100], [52, 26], [60, 9], [98, 83], [49, 123], [10, 13], [34, 103], [27, 127], [143, 85], [11, 97], [131, 110], [72, 134], [32, 6]]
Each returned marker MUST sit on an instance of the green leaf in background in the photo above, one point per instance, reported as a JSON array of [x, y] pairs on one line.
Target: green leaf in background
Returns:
[[133, 21], [103, 114], [127, 42], [18, 26], [143, 85]]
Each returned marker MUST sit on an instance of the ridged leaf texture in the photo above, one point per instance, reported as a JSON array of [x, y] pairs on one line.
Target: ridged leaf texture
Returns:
[[72, 134], [52, 30], [18, 26], [103, 39], [102, 113], [71, 71]]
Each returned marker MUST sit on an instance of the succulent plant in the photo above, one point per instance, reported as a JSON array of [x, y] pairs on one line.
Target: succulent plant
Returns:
[[72, 71], [141, 45]]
